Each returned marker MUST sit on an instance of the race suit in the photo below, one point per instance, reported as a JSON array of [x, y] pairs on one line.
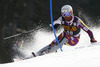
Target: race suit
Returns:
[[70, 35]]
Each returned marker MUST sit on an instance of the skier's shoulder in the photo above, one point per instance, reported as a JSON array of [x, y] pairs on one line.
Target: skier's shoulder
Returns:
[[80, 22], [76, 18], [60, 18], [58, 21]]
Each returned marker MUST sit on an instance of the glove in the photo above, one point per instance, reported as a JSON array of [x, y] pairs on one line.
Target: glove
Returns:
[[93, 40], [55, 26], [50, 25]]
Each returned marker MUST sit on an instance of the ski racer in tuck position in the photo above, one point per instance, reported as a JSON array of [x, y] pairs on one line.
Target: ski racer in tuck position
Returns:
[[71, 34]]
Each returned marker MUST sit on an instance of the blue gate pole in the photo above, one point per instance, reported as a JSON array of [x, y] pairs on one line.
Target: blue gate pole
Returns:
[[53, 25]]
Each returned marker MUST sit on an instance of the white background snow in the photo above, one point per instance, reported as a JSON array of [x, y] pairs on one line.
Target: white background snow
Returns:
[[82, 55]]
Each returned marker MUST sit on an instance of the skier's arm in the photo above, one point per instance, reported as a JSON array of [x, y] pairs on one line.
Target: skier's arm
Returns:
[[56, 23], [86, 29]]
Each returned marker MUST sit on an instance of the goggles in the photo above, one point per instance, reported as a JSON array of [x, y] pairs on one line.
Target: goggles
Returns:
[[66, 14]]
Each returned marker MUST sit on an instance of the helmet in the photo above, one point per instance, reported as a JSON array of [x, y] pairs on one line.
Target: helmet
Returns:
[[66, 10]]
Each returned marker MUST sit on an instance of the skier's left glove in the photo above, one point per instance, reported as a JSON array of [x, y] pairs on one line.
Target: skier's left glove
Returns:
[[93, 40]]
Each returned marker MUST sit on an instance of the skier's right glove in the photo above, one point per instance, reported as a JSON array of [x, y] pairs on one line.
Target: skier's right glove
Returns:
[[93, 40]]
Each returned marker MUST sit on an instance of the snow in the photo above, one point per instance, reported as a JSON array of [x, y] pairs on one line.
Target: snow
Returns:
[[82, 55]]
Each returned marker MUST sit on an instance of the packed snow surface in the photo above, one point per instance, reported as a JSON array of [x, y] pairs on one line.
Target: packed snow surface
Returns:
[[84, 54]]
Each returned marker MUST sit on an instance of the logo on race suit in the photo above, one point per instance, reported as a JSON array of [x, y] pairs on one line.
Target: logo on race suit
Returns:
[[68, 28]]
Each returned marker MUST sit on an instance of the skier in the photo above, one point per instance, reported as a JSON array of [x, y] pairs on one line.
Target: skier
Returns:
[[70, 36]]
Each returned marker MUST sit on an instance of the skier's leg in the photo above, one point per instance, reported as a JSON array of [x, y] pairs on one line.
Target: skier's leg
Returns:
[[53, 46], [72, 41]]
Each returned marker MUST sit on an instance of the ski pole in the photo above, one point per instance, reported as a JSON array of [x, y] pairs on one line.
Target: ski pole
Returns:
[[18, 34], [12, 36], [53, 25], [21, 33]]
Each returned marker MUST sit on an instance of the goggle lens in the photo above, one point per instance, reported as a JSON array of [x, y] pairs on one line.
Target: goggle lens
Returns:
[[66, 14]]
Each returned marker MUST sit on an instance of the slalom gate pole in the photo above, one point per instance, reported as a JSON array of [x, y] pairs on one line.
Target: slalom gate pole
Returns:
[[53, 25]]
